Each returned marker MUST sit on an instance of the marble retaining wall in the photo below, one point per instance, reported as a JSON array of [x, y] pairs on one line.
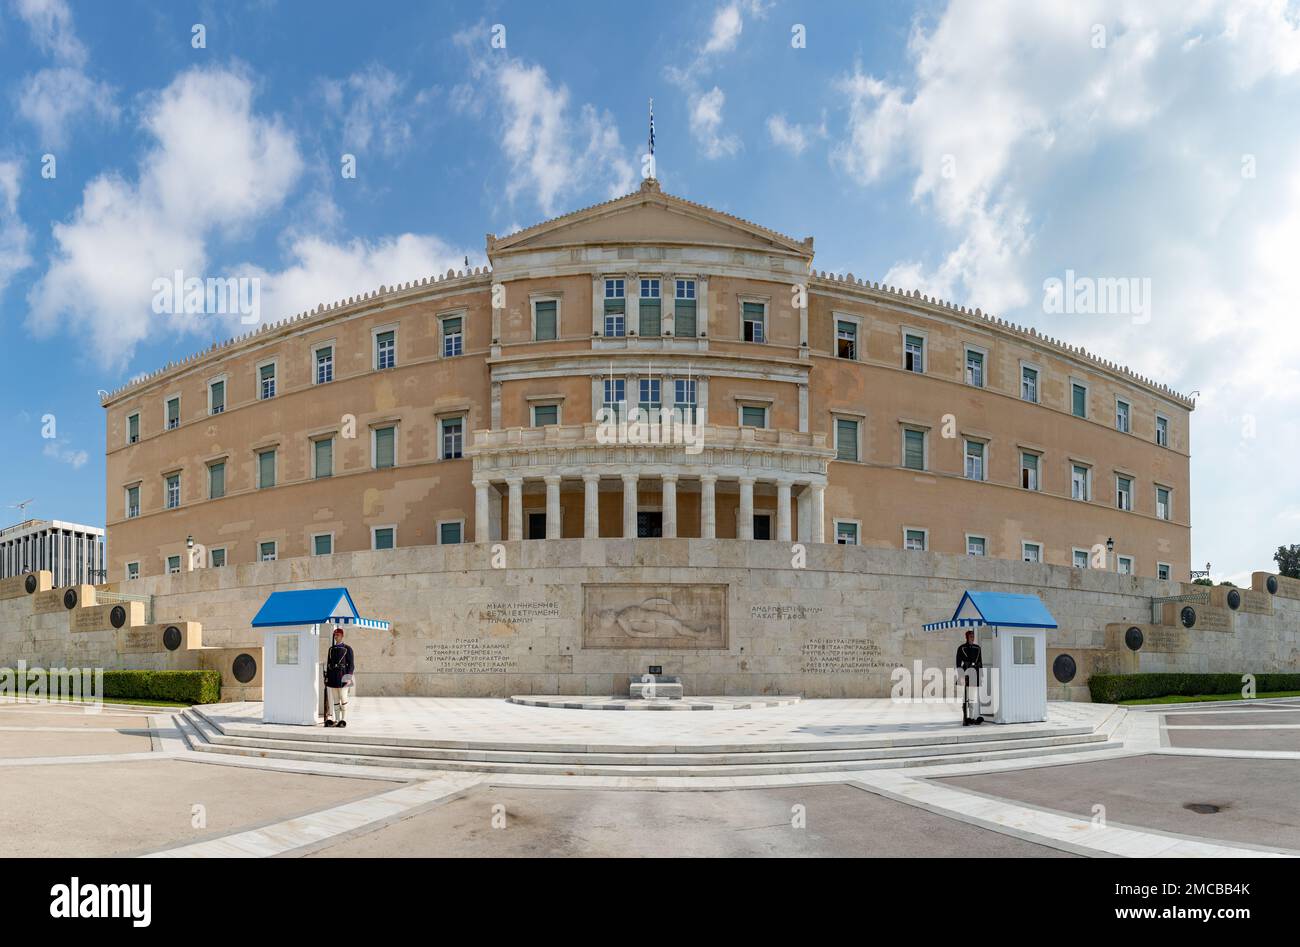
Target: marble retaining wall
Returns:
[[578, 616]]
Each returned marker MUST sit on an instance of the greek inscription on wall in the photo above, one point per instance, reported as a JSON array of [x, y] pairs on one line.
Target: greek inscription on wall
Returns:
[[840, 656], [89, 619], [470, 656], [784, 612], [516, 613], [1213, 619]]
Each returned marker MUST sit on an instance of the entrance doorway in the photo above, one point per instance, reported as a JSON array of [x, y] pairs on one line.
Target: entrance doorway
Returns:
[[649, 524]]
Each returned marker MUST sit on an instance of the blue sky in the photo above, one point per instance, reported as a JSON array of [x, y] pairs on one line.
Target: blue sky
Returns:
[[969, 149]]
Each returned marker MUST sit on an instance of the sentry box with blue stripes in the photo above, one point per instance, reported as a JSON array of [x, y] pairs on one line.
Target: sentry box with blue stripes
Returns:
[[291, 623], [1012, 634]]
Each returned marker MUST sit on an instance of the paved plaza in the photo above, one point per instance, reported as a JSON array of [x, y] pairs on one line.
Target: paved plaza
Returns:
[[484, 777]]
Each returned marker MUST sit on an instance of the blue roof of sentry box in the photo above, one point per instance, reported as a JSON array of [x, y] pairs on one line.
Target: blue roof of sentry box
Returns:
[[1005, 609], [311, 607]]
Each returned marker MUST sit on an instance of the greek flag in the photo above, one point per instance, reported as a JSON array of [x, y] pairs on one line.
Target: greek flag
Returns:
[[652, 126]]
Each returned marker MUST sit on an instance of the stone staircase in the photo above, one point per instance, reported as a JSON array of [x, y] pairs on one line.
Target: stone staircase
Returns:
[[204, 733]]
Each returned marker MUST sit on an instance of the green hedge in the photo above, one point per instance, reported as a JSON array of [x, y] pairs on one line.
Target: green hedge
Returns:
[[189, 687], [1112, 688]]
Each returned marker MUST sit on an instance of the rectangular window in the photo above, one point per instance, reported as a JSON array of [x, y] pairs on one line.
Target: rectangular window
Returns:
[[385, 349], [217, 397], [753, 416], [173, 413], [132, 502], [266, 377], [846, 439], [133, 570], [974, 460], [286, 649], [1033, 552], [133, 429], [1022, 649], [684, 325], [385, 447], [1162, 430], [322, 544], [650, 309], [1028, 471], [846, 534], [265, 469], [914, 353], [544, 322], [914, 539], [217, 557], [615, 395], [323, 457], [546, 414], [384, 537], [1121, 416], [266, 552], [1162, 570], [1123, 493], [1080, 558], [453, 438], [913, 449], [324, 364], [451, 534], [1125, 565], [216, 480], [615, 309], [1029, 383], [685, 398], [453, 337], [651, 394], [846, 339], [975, 368], [752, 321], [173, 491], [976, 546], [1079, 486], [1079, 400], [1162, 503], [173, 565]]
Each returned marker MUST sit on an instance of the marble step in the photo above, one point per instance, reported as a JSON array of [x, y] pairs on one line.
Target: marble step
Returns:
[[202, 737]]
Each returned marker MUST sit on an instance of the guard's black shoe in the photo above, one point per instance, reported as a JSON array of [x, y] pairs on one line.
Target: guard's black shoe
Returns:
[[965, 722], [329, 723], [343, 723], [977, 721]]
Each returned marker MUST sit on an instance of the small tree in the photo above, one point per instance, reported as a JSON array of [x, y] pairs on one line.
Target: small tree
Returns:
[[1288, 561], [1201, 582]]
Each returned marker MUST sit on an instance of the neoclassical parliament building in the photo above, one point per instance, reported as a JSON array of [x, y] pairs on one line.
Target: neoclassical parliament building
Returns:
[[805, 407]]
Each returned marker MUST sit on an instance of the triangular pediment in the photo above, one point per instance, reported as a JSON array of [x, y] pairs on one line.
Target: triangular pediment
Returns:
[[649, 216]]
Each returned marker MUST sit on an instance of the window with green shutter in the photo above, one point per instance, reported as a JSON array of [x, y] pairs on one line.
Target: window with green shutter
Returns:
[[545, 414], [544, 319], [753, 416], [649, 312], [914, 450], [684, 310], [217, 481], [133, 429], [449, 534], [384, 537], [173, 413], [322, 545], [385, 447], [846, 439], [266, 469], [324, 451], [1079, 401], [752, 319], [218, 396]]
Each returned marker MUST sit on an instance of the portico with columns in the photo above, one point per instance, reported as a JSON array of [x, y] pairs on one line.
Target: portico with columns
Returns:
[[632, 490]]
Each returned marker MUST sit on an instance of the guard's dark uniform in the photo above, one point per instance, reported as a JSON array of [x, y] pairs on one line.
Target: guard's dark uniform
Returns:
[[970, 662]]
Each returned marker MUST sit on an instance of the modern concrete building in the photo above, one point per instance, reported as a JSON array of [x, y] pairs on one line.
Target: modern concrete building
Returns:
[[72, 553], [806, 406]]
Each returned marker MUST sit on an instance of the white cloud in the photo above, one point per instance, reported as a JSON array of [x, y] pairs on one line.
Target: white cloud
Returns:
[[554, 152], [725, 32], [61, 451], [372, 108], [1035, 149], [52, 98], [216, 166], [13, 233], [792, 136], [706, 124]]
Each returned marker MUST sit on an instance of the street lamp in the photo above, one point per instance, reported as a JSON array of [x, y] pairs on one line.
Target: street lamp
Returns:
[[1198, 574], [1110, 548]]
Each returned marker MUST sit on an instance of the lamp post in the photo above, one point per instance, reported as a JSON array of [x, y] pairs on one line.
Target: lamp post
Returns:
[[1198, 574], [1110, 548]]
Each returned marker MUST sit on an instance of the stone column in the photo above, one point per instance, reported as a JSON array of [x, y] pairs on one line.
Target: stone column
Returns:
[[783, 511], [591, 506], [805, 513], [670, 505], [745, 514], [553, 523], [819, 512], [708, 506], [629, 506], [482, 525], [515, 514]]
